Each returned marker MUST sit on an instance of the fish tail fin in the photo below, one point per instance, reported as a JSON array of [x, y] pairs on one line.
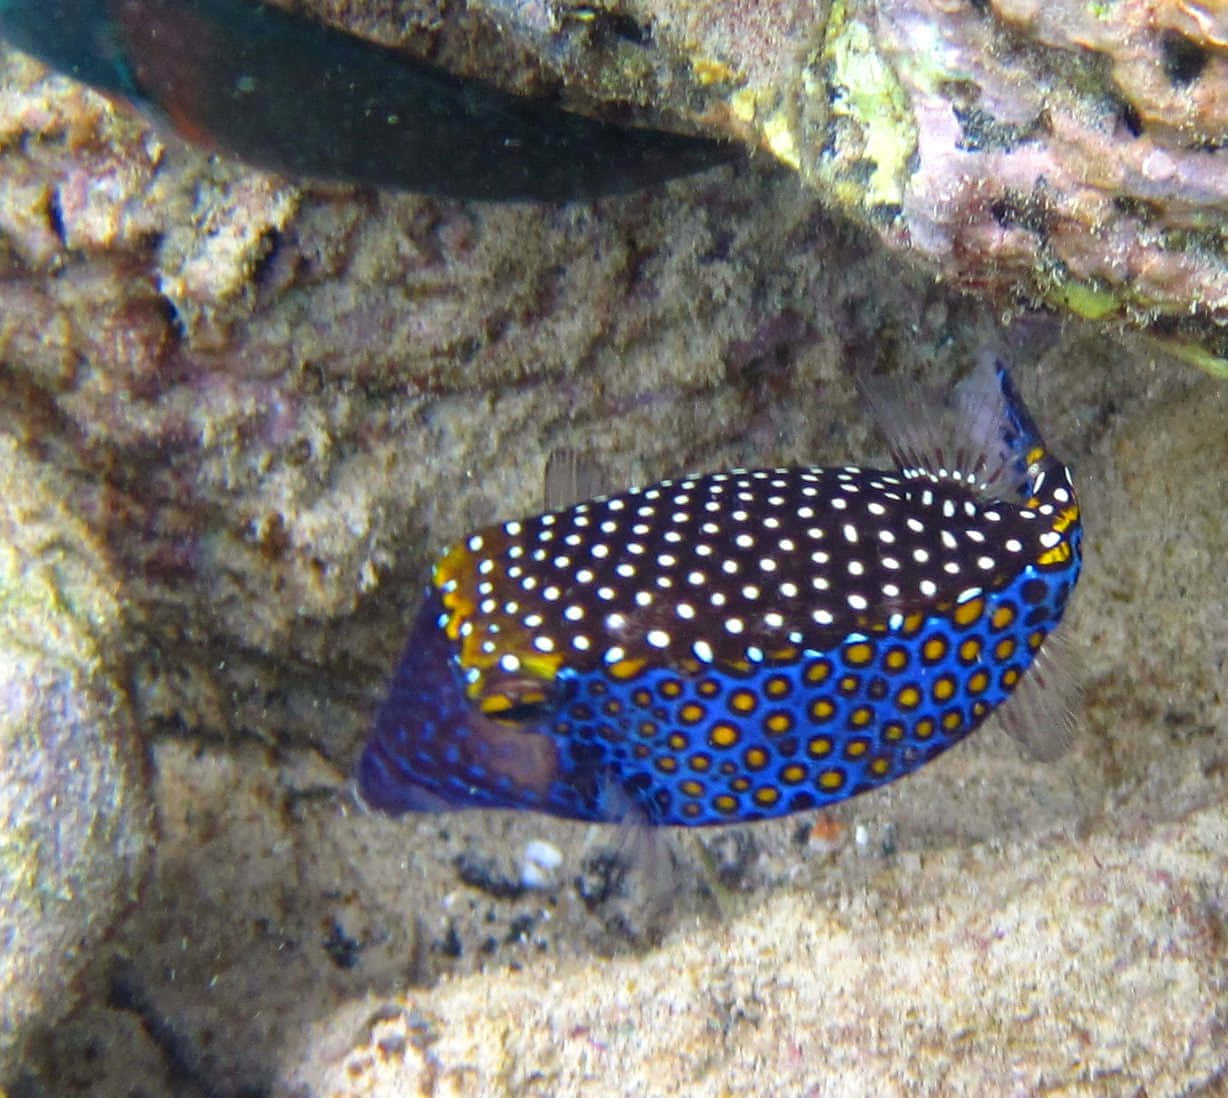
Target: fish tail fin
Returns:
[[429, 740]]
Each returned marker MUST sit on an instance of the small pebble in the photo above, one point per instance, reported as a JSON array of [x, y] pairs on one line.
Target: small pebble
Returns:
[[861, 836], [538, 864]]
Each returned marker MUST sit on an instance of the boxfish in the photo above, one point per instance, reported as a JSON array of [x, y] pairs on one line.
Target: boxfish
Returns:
[[744, 644]]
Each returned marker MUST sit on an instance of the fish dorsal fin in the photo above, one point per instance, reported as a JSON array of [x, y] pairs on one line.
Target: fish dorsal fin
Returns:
[[572, 477], [978, 432]]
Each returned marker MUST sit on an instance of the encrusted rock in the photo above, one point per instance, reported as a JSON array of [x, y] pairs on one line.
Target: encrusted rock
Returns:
[[74, 817], [1067, 153]]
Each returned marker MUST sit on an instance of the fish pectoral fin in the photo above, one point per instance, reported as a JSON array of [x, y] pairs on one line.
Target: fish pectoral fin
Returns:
[[1040, 714]]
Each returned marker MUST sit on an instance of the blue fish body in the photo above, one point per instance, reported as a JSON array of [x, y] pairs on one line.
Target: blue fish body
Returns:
[[738, 645]]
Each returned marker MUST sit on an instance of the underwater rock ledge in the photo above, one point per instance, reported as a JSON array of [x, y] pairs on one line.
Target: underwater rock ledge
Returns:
[[1073, 968], [1069, 154], [1072, 155]]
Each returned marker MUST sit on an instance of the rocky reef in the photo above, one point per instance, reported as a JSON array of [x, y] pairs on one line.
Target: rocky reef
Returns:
[[1066, 155], [239, 413]]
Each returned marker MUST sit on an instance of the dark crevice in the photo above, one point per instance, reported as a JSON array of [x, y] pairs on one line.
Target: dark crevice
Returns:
[[1183, 58], [181, 1057], [55, 216], [1130, 118]]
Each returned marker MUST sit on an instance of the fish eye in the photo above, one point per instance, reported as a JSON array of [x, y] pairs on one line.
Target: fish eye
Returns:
[[521, 713], [521, 700]]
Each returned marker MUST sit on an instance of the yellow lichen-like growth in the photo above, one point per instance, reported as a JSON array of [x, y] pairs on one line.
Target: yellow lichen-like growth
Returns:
[[709, 71]]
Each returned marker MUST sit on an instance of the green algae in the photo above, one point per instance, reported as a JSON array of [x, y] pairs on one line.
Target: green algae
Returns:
[[1085, 299], [1197, 355], [869, 105]]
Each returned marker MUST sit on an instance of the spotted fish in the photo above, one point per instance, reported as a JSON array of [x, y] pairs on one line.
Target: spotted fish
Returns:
[[738, 645]]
